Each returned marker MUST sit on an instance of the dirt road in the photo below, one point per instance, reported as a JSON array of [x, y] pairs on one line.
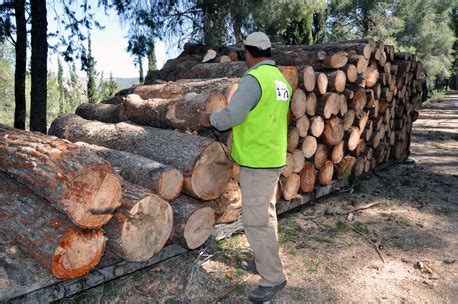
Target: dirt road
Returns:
[[329, 259]]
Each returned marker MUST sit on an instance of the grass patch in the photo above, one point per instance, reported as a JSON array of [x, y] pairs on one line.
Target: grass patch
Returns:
[[234, 248], [312, 265], [288, 229], [361, 227], [342, 227]]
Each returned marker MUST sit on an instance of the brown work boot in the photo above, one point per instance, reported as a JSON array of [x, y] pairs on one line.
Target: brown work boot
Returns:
[[265, 293]]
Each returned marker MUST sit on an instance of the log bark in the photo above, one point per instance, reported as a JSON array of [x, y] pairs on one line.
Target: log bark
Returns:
[[228, 208], [179, 113], [211, 70], [82, 186], [193, 222], [163, 180], [111, 113], [203, 162], [333, 131], [141, 226], [308, 177], [46, 234], [318, 59], [182, 87]]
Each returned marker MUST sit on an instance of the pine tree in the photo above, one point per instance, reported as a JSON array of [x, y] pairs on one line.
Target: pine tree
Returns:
[[74, 89], [60, 83], [89, 66]]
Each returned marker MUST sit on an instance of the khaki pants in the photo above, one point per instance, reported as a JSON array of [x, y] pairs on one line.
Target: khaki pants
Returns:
[[260, 221]]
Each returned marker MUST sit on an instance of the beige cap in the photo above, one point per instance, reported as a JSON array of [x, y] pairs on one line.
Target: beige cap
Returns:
[[259, 40]]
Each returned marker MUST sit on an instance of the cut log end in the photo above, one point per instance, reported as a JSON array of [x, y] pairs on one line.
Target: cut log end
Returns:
[[170, 184], [215, 102], [147, 229], [199, 227], [104, 192], [213, 165], [78, 252]]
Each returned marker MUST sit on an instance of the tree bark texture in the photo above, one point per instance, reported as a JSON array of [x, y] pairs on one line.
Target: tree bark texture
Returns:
[[85, 187], [179, 113], [21, 62], [163, 180], [202, 161], [38, 91], [46, 234]]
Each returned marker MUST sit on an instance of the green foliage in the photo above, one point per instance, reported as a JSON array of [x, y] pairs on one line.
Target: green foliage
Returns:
[[74, 91], [89, 67], [108, 88], [60, 83], [6, 84]]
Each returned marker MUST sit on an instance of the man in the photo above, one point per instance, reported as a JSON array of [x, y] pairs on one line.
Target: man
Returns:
[[257, 115]]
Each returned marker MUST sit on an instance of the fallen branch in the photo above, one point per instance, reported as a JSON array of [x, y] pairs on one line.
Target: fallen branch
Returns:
[[367, 206], [373, 244]]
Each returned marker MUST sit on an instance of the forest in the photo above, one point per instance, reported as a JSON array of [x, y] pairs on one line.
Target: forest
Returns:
[[33, 95]]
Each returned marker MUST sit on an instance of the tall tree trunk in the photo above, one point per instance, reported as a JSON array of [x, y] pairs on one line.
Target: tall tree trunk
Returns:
[[39, 66], [141, 79], [21, 62]]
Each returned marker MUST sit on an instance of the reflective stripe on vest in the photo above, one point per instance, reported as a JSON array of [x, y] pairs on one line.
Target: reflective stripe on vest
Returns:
[[260, 141]]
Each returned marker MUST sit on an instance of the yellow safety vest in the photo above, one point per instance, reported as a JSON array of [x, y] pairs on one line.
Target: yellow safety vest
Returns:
[[260, 141]]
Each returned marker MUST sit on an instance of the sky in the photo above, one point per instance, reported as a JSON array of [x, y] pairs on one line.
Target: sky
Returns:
[[109, 49]]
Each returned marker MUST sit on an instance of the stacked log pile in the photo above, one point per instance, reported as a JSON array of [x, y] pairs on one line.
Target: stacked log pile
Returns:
[[352, 110], [352, 106]]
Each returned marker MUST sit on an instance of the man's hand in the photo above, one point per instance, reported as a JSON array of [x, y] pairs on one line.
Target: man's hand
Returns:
[[204, 119]]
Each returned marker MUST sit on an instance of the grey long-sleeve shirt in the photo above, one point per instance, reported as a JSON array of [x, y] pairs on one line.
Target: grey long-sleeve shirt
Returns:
[[245, 98]]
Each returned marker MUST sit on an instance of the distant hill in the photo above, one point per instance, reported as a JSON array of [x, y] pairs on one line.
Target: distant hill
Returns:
[[125, 83]]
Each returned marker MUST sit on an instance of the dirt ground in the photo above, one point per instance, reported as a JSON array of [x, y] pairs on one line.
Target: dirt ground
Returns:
[[329, 259]]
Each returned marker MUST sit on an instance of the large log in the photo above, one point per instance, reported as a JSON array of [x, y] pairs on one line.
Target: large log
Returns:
[[310, 108], [161, 179], [308, 78], [288, 169], [111, 113], [182, 87], [193, 222], [228, 207], [198, 71], [325, 173], [85, 187], [291, 75], [141, 226], [316, 126], [179, 113], [317, 58], [203, 162], [298, 160], [302, 125], [46, 234]]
